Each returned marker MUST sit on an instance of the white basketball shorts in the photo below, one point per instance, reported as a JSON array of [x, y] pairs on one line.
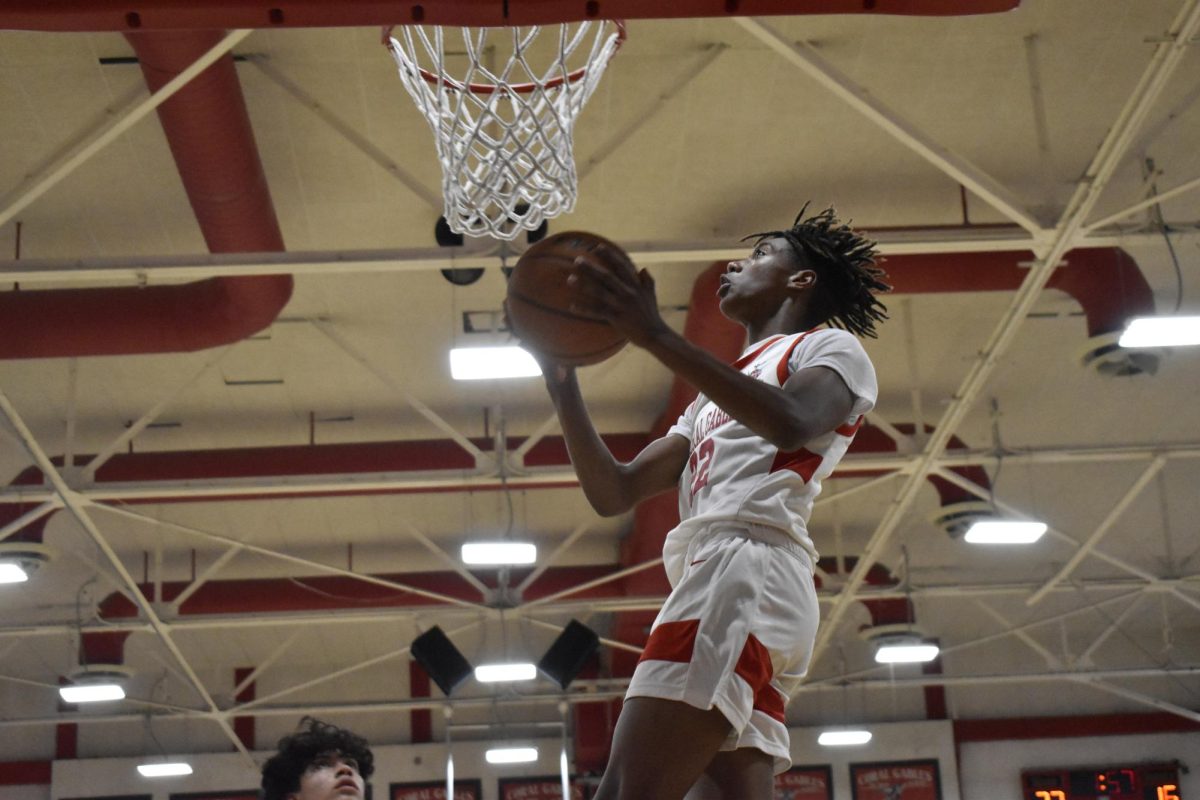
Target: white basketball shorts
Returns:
[[736, 633]]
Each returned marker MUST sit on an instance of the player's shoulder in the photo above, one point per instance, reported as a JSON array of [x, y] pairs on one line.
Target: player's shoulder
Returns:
[[829, 338]]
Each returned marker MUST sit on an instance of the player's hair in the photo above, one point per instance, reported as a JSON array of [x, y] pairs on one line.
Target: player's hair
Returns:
[[282, 772], [844, 261]]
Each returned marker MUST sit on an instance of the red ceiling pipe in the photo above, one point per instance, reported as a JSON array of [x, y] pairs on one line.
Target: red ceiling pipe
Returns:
[[66, 734], [33, 532], [102, 647], [243, 727], [112, 15], [209, 132], [1105, 281], [25, 773], [421, 719]]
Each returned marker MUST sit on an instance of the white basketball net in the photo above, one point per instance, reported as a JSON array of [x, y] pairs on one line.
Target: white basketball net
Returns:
[[503, 126]]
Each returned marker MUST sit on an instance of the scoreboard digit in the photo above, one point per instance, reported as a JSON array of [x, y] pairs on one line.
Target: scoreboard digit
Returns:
[[1135, 782]]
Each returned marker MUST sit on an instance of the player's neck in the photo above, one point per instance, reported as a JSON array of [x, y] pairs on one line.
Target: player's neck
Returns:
[[788, 319]]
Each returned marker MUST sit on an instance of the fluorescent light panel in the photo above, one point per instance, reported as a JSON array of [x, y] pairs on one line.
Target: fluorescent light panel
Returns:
[[843, 738], [511, 755], [12, 573], [499, 553], [495, 673], [1161, 332], [484, 363], [91, 693], [165, 770], [1004, 531], [906, 653]]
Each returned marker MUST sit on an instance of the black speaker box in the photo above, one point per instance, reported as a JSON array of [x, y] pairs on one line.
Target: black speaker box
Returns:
[[441, 659], [570, 651]]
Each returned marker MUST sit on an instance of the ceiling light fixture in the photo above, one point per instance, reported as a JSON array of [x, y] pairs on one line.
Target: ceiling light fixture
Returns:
[[844, 737], [499, 553], [511, 755], [1004, 531], [11, 572], [910, 649], [1161, 332], [20, 560], [95, 683], [498, 673], [165, 769], [91, 692], [487, 363]]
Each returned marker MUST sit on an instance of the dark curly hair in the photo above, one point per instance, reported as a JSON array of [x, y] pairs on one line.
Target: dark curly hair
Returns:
[[844, 261], [313, 738]]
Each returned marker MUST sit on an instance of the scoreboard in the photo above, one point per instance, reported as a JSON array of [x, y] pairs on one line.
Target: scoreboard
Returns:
[[1136, 782]]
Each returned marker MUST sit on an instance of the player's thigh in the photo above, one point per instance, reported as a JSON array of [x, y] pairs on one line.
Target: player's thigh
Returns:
[[660, 747], [742, 774]]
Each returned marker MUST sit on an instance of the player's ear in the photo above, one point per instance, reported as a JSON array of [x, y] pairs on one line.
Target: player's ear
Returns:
[[803, 280]]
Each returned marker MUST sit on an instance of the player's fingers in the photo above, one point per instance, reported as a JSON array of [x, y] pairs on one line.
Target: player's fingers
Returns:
[[590, 265], [595, 286], [617, 257]]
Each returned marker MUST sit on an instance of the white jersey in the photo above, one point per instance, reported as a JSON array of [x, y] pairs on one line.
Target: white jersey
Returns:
[[735, 474]]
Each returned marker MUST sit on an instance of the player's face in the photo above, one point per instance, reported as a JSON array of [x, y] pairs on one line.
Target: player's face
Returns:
[[754, 287], [331, 776]]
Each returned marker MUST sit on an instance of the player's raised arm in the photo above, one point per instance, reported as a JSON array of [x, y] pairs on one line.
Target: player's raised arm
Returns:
[[612, 487]]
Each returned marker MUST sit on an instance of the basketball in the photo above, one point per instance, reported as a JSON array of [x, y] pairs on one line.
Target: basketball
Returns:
[[539, 300]]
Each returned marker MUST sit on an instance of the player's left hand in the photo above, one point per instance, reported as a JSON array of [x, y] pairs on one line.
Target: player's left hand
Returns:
[[620, 294]]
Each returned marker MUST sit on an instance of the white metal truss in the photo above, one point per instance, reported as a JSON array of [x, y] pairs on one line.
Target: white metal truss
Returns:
[[1065, 236]]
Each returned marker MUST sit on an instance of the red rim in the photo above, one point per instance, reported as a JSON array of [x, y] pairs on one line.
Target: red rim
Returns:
[[517, 88]]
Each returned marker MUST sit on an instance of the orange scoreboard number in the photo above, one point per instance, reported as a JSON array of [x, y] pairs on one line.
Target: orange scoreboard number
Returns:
[[1135, 782]]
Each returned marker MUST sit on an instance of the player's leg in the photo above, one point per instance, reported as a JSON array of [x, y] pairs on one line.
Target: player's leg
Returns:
[[660, 747], [743, 774]]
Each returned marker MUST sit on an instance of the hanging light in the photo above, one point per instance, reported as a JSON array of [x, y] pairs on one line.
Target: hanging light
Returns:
[[1005, 531], [91, 693], [904, 649], [511, 755], [844, 737], [499, 553], [164, 769], [485, 363], [503, 673], [1166, 331], [96, 683]]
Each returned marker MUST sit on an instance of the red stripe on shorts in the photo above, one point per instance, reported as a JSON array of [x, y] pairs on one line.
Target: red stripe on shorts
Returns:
[[671, 641], [754, 667], [770, 702]]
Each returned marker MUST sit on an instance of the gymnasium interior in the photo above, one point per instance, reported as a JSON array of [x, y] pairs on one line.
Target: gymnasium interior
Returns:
[[237, 473]]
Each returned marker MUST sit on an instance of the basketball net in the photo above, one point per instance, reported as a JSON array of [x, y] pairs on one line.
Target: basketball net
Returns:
[[503, 123]]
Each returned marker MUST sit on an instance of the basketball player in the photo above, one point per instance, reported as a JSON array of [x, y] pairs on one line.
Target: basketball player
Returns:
[[318, 762], [705, 707]]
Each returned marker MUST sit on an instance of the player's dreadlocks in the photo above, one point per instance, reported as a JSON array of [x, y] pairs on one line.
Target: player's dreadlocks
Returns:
[[297, 752], [845, 264]]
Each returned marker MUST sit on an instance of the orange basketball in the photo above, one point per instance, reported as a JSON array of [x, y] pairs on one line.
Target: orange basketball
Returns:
[[539, 300]]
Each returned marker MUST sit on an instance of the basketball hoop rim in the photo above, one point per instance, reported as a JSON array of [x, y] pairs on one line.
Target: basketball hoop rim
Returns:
[[516, 88]]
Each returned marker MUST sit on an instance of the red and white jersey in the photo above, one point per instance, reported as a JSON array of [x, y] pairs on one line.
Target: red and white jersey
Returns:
[[735, 474]]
